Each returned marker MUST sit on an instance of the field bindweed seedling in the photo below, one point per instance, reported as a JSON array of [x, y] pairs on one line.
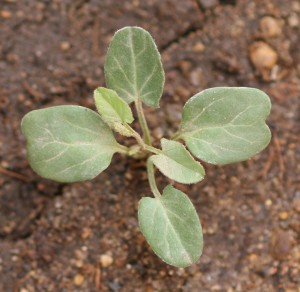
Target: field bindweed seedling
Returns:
[[219, 125]]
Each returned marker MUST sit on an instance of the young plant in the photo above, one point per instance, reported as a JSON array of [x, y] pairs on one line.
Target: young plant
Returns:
[[219, 125]]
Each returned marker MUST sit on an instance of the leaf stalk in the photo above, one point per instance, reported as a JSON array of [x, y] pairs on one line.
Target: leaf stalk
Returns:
[[143, 122], [141, 142], [123, 149], [151, 179]]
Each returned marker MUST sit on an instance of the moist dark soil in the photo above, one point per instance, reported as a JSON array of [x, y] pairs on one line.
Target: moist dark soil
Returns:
[[85, 236]]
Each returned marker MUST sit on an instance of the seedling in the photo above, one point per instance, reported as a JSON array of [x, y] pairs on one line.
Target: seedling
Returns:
[[219, 125]]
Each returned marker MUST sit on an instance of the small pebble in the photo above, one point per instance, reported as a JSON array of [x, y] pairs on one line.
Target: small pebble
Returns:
[[281, 244], [283, 215], [12, 58], [185, 67], [86, 233], [21, 97], [41, 187], [262, 55], [199, 48], [293, 21], [295, 6], [4, 164], [173, 113], [106, 260], [296, 203], [78, 280], [197, 78], [78, 263], [128, 176], [80, 254], [253, 258], [268, 203], [270, 26], [5, 14], [58, 203], [216, 287], [207, 4], [182, 92], [65, 46], [158, 133]]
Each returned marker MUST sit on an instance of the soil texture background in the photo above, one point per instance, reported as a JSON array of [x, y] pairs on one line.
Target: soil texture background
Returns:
[[85, 236]]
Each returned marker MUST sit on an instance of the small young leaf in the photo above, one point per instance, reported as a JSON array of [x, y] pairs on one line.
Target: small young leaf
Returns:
[[172, 227], [68, 143], [177, 163], [133, 67], [224, 125], [111, 107]]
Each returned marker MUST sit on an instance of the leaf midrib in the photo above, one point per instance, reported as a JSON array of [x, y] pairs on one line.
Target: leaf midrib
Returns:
[[178, 163], [202, 111], [229, 125], [116, 117], [164, 208], [134, 65]]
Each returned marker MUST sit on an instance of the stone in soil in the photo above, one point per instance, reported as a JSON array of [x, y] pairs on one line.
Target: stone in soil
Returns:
[[270, 26], [106, 260], [207, 4], [262, 55]]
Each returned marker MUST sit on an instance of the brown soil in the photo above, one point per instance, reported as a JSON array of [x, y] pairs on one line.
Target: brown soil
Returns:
[[53, 236]]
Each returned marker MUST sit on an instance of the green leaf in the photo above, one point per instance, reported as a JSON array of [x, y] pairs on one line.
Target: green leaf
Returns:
[[133, 67], [68, 143], [224, 125], [111, 107], [172, 228], [177, 163]]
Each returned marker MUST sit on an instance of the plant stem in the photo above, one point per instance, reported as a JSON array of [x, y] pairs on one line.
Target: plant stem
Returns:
[[140, 141], [143, 122], [176, 136], [151, 179], [152, 149], [123, 149], [136, 135]]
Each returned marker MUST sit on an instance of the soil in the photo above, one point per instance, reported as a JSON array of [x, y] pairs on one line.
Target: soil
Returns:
[[85, 236]]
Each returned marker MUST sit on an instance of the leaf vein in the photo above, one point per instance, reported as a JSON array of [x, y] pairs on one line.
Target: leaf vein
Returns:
[[54, 157], [217, 146], [82, 128], [123, 72], [238, 137], [175, 233], [80, 163], [148, 79]]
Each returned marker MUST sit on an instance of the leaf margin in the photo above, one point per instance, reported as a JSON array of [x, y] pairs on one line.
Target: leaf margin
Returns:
[[201, 243], [133, 97], [184, 134]]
